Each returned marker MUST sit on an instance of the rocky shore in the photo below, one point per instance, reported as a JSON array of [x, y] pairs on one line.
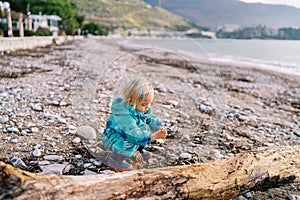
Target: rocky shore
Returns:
[[211, 112]]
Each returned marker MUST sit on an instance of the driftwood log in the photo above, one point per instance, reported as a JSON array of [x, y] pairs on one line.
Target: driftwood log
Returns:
[[223, 179]]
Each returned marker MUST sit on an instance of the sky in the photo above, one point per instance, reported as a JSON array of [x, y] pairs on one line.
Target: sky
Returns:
[[295, 3]]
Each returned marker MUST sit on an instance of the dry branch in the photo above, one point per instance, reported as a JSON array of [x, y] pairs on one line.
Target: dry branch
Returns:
[[223, 179]]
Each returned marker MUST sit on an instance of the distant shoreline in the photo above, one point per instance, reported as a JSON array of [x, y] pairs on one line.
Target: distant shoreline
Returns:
[[207, 51]]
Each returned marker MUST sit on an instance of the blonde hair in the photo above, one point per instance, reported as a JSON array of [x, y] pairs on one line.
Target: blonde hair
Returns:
[[136, 89]]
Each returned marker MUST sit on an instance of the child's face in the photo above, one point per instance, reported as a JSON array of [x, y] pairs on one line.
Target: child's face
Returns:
[[144, 104]]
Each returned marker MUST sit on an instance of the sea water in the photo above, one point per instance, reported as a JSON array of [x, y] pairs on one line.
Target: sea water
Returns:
[[277, 55]]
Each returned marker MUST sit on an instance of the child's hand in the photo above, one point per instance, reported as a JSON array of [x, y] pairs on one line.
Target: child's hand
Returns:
[[160, 134]]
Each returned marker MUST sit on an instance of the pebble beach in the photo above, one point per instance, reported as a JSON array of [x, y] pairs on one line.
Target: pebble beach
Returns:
[[55, 101]]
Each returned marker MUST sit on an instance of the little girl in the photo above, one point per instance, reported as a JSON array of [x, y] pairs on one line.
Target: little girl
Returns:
[[131, 126]]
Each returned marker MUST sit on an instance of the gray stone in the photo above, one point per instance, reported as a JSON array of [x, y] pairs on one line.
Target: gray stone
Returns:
[[56, 169], [97, 163], [13, 130], [14, 141], [76, 140], [248, 195], [216, 154], [67, 168], [34, 130], [191, 144], [185, 156], [185, 137], [184, 115], [87, 132], [18, 162], [54, 103], [88, 165], [44, 162], [53, 157], [37, 108], [173, 102], [168, 107], [240, 198], [107, 172], [293, 197], [36, 152], [242, 118], [89, 172], [61, 120], [63, 103], [205, 108], [4, 119]]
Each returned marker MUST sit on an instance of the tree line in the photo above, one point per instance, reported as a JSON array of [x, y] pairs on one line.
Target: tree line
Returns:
[[71, 21]]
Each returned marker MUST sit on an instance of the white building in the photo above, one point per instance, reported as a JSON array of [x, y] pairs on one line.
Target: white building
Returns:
[[45, 21]]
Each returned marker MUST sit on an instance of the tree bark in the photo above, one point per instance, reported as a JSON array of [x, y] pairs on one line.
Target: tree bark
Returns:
[[223, 179]]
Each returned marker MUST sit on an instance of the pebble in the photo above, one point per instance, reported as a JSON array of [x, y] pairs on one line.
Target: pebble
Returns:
[[191, 144], [185, 156], [248, 195], [161, 88], [71, 127], [76, 140], [62, 120], [293, 197], [53, 157], [260, 128], [37, 108], [107, 172], [87, 132], [55, 103], [97, 163], [160, 141], [168, 107], [63, 103], [44, 162], [19, 163], [166, 115], [185, 137], [67, 168], [34, 130], [240, 198], [14, 141], [58, 137], [13, 130], [242, 118], [173, 102], [88, 172], [87, 165], [184, 115], [4, 119], [56, 169], [205, 108], [216, 154], [36, 152]]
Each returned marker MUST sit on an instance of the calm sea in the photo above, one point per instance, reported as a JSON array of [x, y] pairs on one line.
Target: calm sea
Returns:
[[279, 55]]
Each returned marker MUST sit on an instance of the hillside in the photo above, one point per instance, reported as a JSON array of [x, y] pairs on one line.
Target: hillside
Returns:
[[214, 13], [128, 14]]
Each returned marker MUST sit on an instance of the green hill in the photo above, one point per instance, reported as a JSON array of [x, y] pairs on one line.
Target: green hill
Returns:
[[128, 14]]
